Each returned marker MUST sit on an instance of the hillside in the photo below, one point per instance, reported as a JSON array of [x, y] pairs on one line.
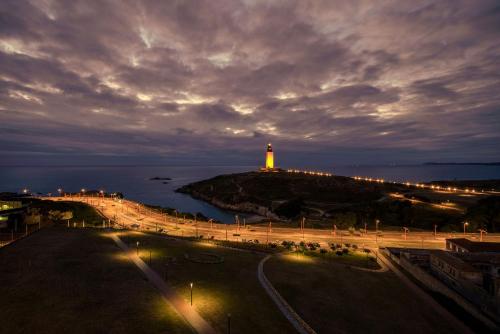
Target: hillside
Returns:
[[327, 200], [283, 194]]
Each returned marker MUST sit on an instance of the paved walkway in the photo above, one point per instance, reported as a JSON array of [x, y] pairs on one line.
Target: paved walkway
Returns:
[[300, 325], [180, 305], [446, 315]]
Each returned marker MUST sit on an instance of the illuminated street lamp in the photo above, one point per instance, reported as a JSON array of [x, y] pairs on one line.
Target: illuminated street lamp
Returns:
[[191, 286], [376, 225], [137, 247], [465, 226], [59, 190]]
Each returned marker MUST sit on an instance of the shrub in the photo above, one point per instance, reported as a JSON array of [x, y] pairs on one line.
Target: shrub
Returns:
[[339, 253], [354, 246], [345, 251], [323, 251]]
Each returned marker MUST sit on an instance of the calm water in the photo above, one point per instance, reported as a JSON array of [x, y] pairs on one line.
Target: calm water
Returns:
[[135, 184]]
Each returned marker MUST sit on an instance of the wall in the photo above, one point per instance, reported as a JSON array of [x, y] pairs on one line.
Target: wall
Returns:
[[435, 285]]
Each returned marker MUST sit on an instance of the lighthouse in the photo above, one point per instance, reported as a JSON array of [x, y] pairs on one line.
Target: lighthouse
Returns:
[[269, 157]]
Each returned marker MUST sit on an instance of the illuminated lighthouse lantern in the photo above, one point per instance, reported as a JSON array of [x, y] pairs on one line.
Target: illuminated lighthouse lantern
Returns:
[[269, 167], [269, 157]]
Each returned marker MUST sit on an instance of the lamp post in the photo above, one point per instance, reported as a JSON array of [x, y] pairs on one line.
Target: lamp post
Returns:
[[465, 226], [376, 225], [137, 247], [191, 286], [406, 229], [229, 323], [211, 225], [435, 231], [481, 231], [302, 226]]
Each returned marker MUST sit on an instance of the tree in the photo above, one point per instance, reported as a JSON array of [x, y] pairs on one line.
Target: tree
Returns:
[[485, 214]]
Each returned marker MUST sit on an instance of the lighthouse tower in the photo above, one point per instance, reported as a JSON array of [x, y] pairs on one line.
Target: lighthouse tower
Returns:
[[269, 157]]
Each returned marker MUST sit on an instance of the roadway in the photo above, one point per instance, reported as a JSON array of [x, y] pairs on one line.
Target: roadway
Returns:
[[130, 214]]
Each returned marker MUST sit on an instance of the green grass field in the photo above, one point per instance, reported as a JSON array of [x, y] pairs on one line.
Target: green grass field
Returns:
[[331, 297], [61, 280], [218, 289]]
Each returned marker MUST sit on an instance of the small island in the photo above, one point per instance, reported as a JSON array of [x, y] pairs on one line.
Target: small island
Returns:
[[157, 178]]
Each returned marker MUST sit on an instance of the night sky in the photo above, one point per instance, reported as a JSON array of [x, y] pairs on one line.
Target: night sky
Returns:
[[194, 82]]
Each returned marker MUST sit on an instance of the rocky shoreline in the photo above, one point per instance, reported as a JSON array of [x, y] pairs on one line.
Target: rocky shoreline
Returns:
[[244, 207]]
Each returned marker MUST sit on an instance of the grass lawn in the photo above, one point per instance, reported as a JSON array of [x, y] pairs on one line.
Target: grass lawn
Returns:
[[62, 280], [353, 258], [81, 211], [331, 297], [218, 289]]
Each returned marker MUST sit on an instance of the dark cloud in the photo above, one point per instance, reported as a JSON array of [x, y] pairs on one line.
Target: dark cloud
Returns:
[[409, 80]]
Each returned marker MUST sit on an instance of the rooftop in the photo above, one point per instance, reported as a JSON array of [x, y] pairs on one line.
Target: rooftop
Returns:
[[454, 261], [476, 246]]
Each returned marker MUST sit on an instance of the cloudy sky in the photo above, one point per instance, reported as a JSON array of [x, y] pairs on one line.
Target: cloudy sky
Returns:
[[327, 82]]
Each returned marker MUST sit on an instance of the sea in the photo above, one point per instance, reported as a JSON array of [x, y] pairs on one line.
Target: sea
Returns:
[[136, 184]]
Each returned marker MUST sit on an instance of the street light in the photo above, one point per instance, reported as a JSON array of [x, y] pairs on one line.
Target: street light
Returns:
[[406, 229], [465, 226], [481, 231], [137, 247], [191, 286]]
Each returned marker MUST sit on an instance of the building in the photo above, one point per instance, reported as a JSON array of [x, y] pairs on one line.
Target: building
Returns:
[[489, 265], [453, 269], [463, 245], [269, 166], [11, 214], [269, 157]]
